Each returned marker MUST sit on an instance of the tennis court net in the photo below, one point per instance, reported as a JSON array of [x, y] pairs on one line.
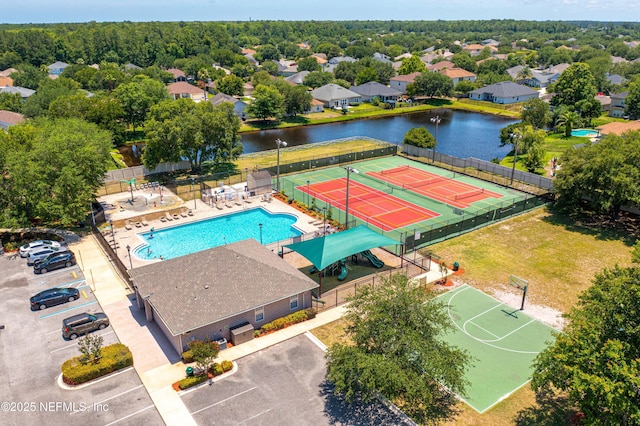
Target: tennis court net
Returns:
[[426, 182], [395, 170], [468, 194]]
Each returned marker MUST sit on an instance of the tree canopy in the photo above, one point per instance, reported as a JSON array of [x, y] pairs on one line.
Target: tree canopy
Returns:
[[396, 350], [420, 137], [576, 83], [431, 84], [267, 103], [596, 360]]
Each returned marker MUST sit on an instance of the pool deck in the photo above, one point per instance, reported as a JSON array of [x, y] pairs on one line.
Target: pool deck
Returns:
[[124, 237]]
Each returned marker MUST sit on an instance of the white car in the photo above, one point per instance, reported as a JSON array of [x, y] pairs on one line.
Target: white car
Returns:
[[37, 245], [41, 254]]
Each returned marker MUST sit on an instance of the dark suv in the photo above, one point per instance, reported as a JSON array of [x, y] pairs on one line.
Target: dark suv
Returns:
[[55, 261], [54, 296], [84, 323]]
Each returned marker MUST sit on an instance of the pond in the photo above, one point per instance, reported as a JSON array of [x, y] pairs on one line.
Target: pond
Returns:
[[460, 133]]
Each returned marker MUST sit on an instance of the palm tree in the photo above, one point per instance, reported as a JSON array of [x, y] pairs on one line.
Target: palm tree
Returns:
[[524, 74], [568, 119]]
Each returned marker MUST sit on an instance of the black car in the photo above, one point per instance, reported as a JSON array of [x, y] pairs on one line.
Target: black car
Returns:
[[84, 323], [55, 261], [54, 296]]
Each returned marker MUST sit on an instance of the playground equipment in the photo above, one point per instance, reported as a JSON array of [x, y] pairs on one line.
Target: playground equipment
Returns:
[[372, 258], [342, 265]]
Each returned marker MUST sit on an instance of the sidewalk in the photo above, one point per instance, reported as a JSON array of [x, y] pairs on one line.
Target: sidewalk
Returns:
[[155, 360]]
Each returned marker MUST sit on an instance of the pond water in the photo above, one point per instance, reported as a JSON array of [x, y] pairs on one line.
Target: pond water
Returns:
[[460, 133]]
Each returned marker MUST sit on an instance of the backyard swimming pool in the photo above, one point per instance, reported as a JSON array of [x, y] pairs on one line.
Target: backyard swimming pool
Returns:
[[585, 133], [192, 237]]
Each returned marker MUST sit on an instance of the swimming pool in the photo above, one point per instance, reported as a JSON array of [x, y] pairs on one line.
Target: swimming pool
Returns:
[[205, 234], [585, 133]]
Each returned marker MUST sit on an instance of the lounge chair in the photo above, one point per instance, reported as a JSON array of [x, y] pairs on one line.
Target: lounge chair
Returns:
[[144, 221], [127, 225], [190, 212], [176, 216], [163, 219], [168, 216], [138, 224], [183, 213]]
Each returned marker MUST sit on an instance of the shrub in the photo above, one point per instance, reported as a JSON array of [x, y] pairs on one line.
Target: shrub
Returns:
[[187, 356], [226, 365], [290, 319], [192, 381], [114, 357], [216, 369]]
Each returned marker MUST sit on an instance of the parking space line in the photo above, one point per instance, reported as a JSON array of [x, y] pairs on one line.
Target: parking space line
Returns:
[[75, 344], [68, 309], [113, 397], [130, 415], [224, 400], [257, 415], [60, 271], [69, 283]]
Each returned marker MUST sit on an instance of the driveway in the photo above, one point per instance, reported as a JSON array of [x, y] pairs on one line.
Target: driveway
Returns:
[[32, 351], [281, 385]]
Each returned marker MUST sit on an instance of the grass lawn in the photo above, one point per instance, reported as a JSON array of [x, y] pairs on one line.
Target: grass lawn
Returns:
[[557, 256]]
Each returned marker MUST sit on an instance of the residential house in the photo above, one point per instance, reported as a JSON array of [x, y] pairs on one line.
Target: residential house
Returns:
[[182, 89], [403, 56], [6, 81], [618, 60], [400, 82], [473, 49], [239, 106], [616, 79], [381, 57], [438, 66], [316, 106], [131, 67], [618, 104], [57, 67], [287, 68], [619, 127], [251, 286], [333, 62], [605, 102], [373, 89], [22, 91], [298, 78], [490, 42], [178, 75], [538, 77], [335, 96], [248, 51], [504, 92], [321, 59], [8, 72], [9, 118], [458, 74], [252, 61]]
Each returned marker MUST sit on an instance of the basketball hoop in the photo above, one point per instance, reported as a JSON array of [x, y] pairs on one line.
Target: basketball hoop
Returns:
[[522, 285]]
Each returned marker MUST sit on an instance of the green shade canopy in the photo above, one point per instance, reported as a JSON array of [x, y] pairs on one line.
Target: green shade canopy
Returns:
[[324, 251]]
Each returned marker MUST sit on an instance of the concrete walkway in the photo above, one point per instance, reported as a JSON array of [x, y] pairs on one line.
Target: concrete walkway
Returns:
[[155, 360]]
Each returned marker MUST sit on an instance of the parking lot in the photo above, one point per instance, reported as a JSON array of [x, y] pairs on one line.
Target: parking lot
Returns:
[[32, 351], [284, 384]]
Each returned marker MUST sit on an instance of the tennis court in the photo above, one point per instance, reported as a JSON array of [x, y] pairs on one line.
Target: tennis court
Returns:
[[502, 340], [438, 187], [377, 207]]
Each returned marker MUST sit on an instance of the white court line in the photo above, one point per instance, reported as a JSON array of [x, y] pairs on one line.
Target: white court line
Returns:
[[483, 329], [113, 397], [130, 415], [257, 415], [224, 400], [75, 344]]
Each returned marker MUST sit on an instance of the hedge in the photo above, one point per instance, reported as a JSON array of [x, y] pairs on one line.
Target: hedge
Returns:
[[114, 357], [192, 381], [187, 356], [290, 319], [226, 365]]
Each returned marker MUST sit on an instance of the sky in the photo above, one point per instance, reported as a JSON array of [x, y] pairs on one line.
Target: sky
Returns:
[[55, 11]]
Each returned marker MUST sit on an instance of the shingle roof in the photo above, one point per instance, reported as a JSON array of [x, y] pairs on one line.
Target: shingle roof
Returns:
[[373, 88], [7, 72], [408, 78], [176, 72], [22, 91], [202, 288], [505, 89], [456, 73], [183, 87], [330, 92], [441, 65], [298, 78], [618, 128], [222, 97], [8, 118], [58, 65]]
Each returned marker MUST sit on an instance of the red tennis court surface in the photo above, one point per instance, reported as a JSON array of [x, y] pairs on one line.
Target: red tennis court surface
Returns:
[[368, 204], [441, 188]]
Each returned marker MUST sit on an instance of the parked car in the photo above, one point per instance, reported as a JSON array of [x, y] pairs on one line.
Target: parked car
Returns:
[[54, 296], [83, 323], [40, 255], [37, 245], [55, 261]]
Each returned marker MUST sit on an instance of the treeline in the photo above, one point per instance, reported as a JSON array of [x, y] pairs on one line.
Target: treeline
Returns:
[[161, 43]]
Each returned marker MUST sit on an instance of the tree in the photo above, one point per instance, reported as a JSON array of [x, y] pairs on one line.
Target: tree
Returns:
[[28, 76], [195, 131], [465, 86], [91, 348], [596, 360], [204, 353], [532, 147], [267, 52], [602, 176], [411, 65], [48, 91], [465, 61], [366, 75], [138, 96], [420, 137], [231, 85], [318, 79], [574, 84], [524, 74], [632, 102], [635, 253], [270, 67], [536, 113], [297, 100], [308, 64], [569, 120], [51, 170], [396, 350], [267, 103], [431, 84]]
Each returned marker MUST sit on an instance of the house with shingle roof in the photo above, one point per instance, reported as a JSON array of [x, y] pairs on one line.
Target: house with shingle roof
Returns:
[[13, 90], [504, 92], [6, 81], [617, 106], [473, 49], [373, 89], [57, 67], [336, 96], [400, 82], [298, 78], [209, 293], [618, 127], [239, 106], [316, 106], [182, 89], [9, 118], [178, 75], [440, 66], [8, 72], [458, 74]]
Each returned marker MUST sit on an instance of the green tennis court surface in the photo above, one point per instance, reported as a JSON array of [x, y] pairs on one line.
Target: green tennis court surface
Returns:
[[502, 340]]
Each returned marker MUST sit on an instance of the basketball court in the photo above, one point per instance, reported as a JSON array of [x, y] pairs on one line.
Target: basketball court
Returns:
[[502, 340]]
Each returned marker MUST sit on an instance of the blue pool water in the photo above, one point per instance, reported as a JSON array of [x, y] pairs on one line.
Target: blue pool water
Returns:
[[205, 234], [584, 133]]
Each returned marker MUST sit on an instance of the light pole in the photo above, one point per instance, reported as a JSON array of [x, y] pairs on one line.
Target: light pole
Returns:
[[194, 195], [349, 170], [515, 136], [279, 143], [436, 120], [129, 254], [260, 225]]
